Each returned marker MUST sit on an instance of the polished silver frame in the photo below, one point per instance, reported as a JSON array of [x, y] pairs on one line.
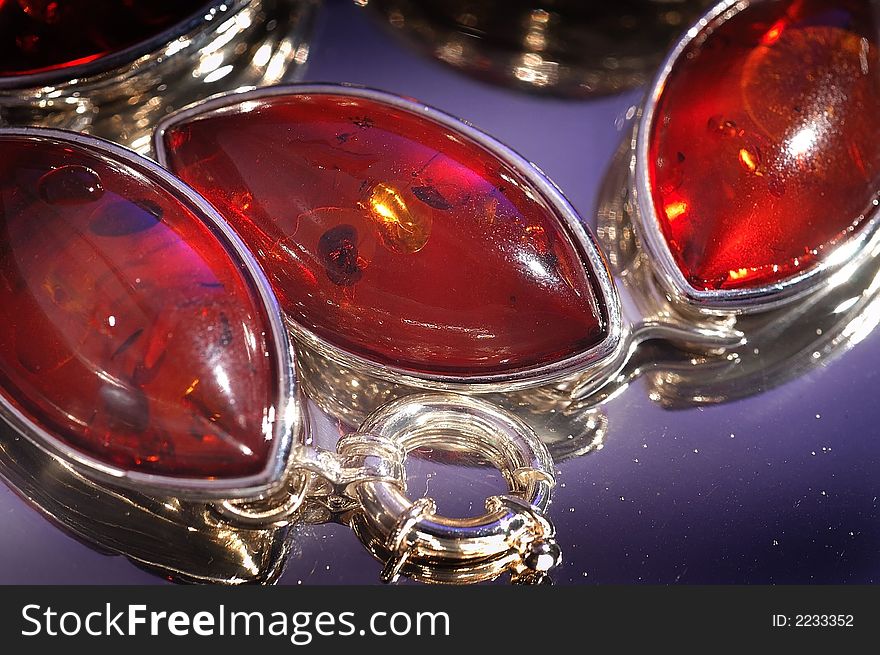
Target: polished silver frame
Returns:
[[842, 260], [288, 424], [198, 19], [583, 239]]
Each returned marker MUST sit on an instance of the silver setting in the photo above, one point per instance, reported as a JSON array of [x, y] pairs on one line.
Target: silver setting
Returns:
[[567, 426], [288, 425], [224, 45], [178, 540], [837, 267], [581, 237], [410, 537], [565, 48]]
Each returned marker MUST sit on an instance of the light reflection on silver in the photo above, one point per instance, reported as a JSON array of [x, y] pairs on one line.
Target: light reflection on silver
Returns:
[[261, 42], [568, 427], [750, 353], [181, 541], [564, 47], [412, 538]]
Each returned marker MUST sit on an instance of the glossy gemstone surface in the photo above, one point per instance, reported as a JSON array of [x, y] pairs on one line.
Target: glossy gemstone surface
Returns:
[[763, 150], [393, 237], [44, 35], [127, 329]]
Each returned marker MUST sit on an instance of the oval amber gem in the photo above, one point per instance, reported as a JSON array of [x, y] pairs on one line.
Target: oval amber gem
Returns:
[[128, 331], [393, 236], [763, 149]]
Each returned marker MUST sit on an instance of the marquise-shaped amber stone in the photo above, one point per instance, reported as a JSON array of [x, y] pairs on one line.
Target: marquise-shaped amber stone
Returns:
[[764, 149], [393, 236], [128, 331]]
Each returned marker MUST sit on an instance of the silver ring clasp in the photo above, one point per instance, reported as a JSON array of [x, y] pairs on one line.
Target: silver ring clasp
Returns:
[[513, 535]]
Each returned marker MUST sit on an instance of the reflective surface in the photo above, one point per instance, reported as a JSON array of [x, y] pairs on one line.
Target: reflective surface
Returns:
[[392, 236], [561, 47], [779, 485], [231, 44], [411, 537], [569, 427], [38, 36], [775, 346], [168, 538], [761, 154], [125, 319]]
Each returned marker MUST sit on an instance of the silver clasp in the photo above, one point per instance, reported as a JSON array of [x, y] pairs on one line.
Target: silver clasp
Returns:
[[411, 537], [364, 482]]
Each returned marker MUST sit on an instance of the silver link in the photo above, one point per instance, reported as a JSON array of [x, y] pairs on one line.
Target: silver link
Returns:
[[364, 484]]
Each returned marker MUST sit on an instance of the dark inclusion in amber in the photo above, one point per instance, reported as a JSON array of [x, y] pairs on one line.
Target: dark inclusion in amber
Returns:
[[393, 236], [45, 35], [764, 148], [127, 329]]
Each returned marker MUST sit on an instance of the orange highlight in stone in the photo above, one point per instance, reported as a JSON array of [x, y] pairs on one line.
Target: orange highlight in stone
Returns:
[[749, 161], [401, 229], [773, 34], [675, 209]]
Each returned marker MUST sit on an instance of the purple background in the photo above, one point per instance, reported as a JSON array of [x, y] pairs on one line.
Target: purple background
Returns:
[[781, 487]]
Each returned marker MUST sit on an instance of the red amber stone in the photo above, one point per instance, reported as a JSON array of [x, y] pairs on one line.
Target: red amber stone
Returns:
[[763, 149], [392, 236], [127, 328], [44, 35]]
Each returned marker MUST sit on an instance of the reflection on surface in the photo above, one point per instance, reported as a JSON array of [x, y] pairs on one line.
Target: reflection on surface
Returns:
[[38, 36], [181, 541], [775, 346], [569, 428], [240, 43], [563, 47]]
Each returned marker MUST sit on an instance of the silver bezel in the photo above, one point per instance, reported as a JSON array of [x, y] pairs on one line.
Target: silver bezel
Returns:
[[202, 18], [581, 236], [288, 421], [843, 259]]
